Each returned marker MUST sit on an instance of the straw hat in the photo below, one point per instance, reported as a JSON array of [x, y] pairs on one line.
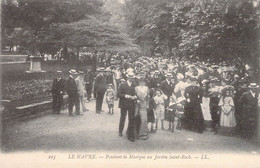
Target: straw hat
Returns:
[[130, 75], [73, 72], [81, 72], [253, 86], [169, 75]]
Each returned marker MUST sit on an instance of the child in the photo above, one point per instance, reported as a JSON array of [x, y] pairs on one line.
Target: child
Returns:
[[180, 100], [159, 110], [171, 112], [227, 110], [110, 94], [180, 103]]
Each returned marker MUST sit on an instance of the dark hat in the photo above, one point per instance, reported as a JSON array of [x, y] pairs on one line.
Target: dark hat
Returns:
[[101, 69]]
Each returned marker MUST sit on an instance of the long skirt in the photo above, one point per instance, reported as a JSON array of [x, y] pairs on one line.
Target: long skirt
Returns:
[[142, 129]]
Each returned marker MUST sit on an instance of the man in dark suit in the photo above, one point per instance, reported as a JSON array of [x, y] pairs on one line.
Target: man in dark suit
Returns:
[[167, 87], [89, 78], [72, 92], [155, 80], [100, 89], [248, 112], [126, 94], [58, 86]]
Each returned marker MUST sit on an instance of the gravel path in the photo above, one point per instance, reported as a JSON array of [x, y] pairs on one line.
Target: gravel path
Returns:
[[99, 133]]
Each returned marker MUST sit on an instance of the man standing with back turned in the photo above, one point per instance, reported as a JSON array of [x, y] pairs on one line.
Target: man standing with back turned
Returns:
[[126, 93]]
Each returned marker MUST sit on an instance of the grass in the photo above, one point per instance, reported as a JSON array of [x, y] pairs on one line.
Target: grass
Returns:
[[13, 58]]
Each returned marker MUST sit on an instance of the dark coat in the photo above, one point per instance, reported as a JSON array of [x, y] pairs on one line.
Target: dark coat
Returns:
[[247, 112], [167, 89], [100, 83], [71, 87], [89, 77], [123, 90], [155, 82], [58, 87], [192, 110]]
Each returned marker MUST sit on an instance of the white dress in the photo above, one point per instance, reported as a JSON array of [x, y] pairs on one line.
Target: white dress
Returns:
[[227, 116], [205, 108]]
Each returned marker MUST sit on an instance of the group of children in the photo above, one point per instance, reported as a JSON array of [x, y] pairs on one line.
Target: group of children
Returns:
[[158, 112]]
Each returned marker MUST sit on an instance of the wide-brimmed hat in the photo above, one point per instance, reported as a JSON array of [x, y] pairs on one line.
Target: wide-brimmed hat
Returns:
[[214, 66], [122, 80], [156, 72], [179, 76], [108, 69], [130, 75], [236, 76], [73, 72], [101, 69], [81, 72], [253, 85], [159, 90], [141, 77], [169, 75], [227, 88], [205, 81]]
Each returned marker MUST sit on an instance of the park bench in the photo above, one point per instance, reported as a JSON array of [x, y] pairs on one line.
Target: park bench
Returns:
[[29, 105]]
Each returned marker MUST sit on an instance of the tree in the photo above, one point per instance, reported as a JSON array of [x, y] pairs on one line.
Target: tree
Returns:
[[36, 17], [208, 30]]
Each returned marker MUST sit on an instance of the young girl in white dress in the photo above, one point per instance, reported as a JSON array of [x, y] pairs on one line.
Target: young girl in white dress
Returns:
[[227, 111], [159, 109]]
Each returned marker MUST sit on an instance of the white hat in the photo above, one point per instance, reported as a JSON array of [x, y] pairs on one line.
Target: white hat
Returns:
[[130, 75], [73, 71], [253, 85]]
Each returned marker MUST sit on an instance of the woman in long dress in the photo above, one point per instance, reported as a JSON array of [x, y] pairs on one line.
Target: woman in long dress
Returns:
[[142, 93]]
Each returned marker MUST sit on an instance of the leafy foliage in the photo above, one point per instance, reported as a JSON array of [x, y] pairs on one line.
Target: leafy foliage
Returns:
[[209, 30], [27, 22]]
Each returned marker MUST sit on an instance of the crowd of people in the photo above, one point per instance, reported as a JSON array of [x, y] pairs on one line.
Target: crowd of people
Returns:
[[187, 95]]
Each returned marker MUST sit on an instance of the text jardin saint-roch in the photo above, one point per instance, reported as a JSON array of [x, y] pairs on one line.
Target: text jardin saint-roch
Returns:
[[133, 156]]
